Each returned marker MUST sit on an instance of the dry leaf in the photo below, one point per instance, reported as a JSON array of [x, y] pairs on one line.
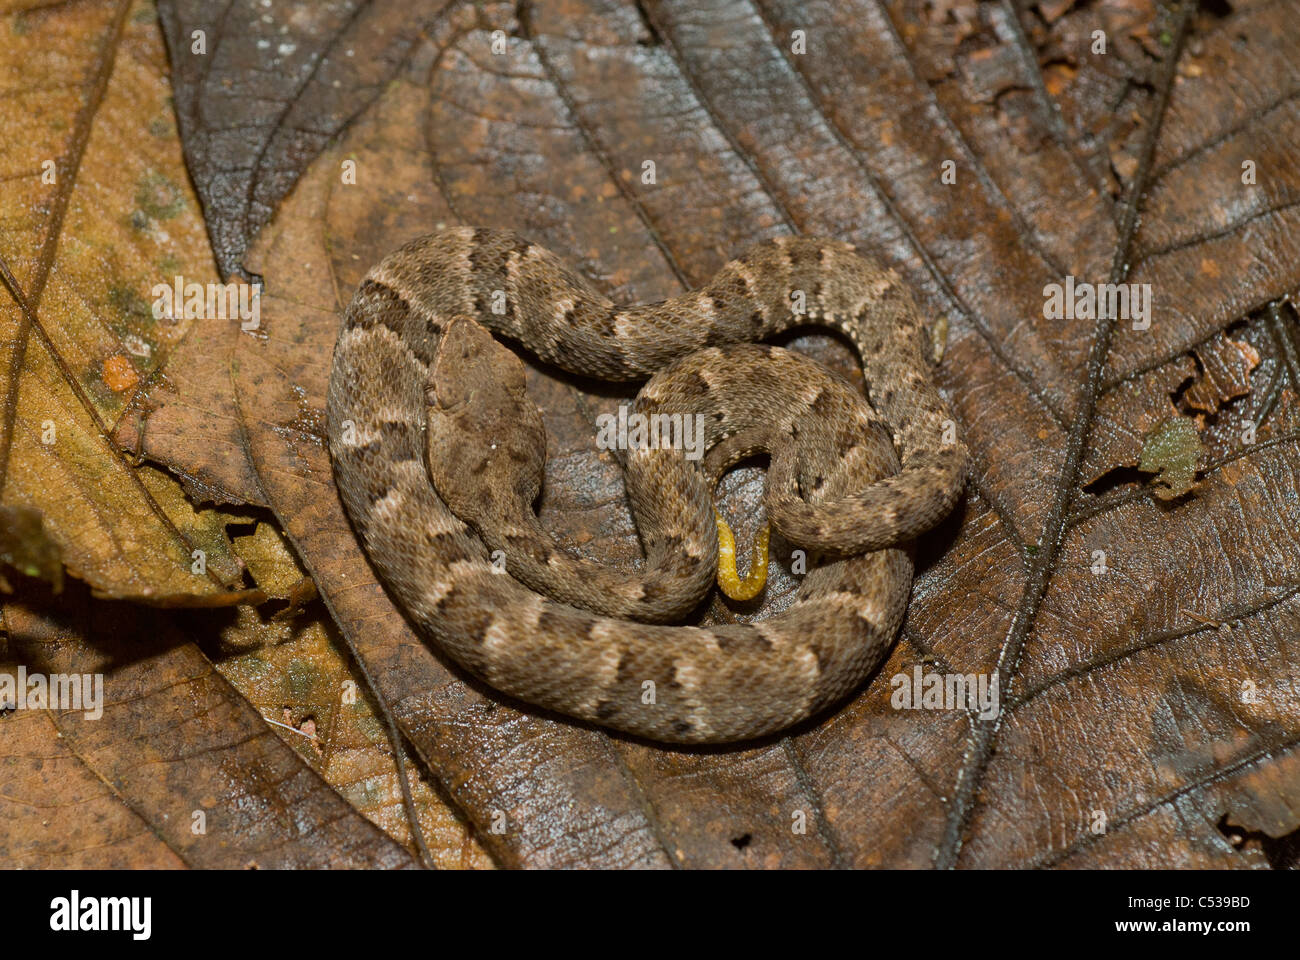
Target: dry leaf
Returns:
[[178, 770], [299, 678], [96, 211], [1142, 650]]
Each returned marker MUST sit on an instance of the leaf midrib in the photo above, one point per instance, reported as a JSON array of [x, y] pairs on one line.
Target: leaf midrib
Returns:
[[1041, 565]]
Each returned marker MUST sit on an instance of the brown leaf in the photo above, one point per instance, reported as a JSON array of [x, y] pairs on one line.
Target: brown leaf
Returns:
[[1122, 737], [26, 548], [1123, 632], [296, 673], [186, 421], [178, 767], [80, 286], [96, 208], [270, 88], [1225, 373], [289, 79]]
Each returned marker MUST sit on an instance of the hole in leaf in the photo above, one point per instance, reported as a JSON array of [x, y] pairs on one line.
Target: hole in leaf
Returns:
[[1115, 478], [1282, 853]]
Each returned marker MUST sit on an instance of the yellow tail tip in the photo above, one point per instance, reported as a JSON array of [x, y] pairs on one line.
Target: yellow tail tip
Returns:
[[729, 579]]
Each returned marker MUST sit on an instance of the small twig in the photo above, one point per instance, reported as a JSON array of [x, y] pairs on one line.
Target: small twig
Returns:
[[309, 736]]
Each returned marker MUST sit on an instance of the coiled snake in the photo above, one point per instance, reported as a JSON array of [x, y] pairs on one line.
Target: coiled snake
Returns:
[[438, 455]]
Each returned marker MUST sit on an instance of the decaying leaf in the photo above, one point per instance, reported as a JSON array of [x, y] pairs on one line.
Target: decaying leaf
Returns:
[[319, 707], [294, 672], [167, 766], [292, 78], [1141, 649], [274, 568], [1077, 620], [1171, 452], [1226, 365], [25, 548], [96, 211]]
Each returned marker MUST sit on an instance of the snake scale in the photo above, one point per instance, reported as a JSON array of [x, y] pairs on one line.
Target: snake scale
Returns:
[[438, 455]]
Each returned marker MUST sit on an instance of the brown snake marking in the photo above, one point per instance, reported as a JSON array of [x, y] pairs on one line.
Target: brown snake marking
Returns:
[[396, 419]]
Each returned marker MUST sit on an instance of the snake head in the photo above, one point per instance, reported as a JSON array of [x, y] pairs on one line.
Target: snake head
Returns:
[[486, 439]]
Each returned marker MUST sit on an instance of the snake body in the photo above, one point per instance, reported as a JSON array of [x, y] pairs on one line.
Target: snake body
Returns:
[[437, 455]]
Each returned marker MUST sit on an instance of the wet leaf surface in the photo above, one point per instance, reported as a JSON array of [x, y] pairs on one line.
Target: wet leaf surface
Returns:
[[749, 140], [177, 770], [270, 87], [1143, 649], [97, 211]]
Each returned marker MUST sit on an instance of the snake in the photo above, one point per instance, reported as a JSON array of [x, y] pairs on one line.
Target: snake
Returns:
[[438, 456]]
